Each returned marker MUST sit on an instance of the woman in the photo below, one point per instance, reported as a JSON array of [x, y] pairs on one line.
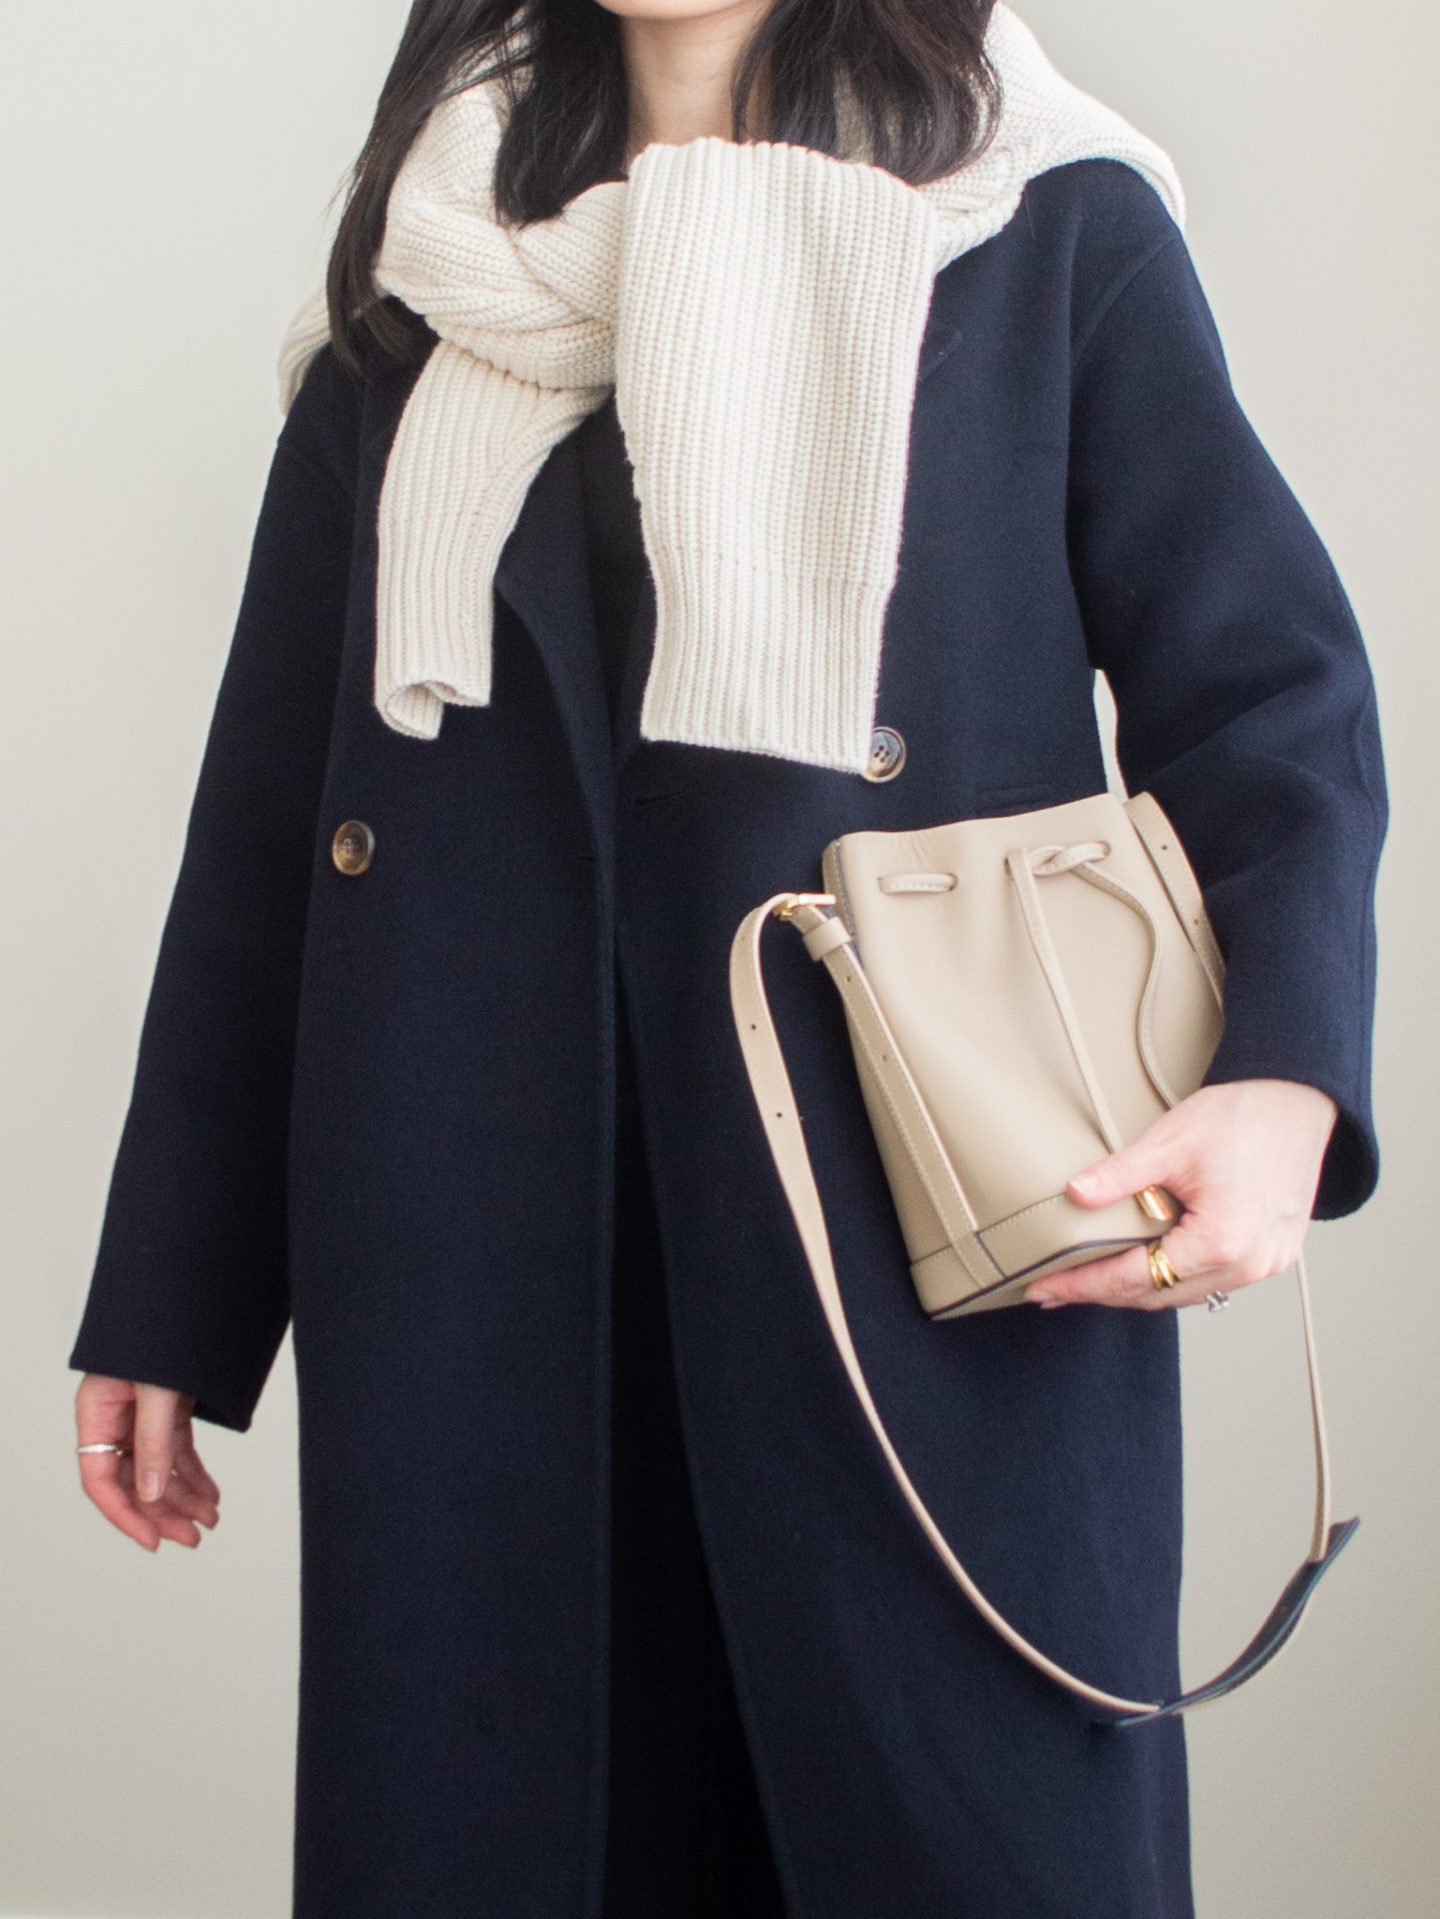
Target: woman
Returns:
[[609, 1604]]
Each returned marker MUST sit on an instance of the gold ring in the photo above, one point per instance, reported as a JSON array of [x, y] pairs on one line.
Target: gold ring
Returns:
[[1162, 1274]]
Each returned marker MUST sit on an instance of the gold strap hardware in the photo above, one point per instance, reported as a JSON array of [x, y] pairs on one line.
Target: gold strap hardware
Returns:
[[788, 904]]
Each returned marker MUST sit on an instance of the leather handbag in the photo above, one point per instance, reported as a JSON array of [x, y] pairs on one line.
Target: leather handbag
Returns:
[[1023, 995]]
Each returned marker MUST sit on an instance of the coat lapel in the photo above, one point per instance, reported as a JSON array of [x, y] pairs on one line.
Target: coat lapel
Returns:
[[942, 325], [636, 672], [543, 576]]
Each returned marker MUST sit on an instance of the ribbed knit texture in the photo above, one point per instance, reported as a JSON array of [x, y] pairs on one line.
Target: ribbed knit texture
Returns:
[[758, 310]]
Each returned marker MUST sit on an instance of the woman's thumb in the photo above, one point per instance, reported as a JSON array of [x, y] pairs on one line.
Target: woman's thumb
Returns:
[[155, 1408], [1144, 1162]]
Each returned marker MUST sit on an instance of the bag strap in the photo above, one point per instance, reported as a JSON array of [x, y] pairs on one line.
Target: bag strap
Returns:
[[828, 940], [1162, 843]]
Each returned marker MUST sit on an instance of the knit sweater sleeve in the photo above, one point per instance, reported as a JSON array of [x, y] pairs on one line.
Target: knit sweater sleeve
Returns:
[[189, 1288], [1245, 700]]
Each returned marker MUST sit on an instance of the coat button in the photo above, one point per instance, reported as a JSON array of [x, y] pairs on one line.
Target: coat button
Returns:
[[353, 847], [887, 754]]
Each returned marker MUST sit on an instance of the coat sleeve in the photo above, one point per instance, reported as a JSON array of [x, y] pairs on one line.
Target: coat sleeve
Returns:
[[1244, 697], [190, 1288]]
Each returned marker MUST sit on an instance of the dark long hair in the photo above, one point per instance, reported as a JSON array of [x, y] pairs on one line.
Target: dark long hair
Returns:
[[916, 70]]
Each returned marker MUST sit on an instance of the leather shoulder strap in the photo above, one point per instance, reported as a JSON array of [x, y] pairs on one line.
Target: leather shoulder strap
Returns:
[[1167, 856], [829, 942]]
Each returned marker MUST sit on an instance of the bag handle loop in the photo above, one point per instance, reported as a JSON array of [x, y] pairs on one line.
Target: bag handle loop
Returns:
[[829, 941]]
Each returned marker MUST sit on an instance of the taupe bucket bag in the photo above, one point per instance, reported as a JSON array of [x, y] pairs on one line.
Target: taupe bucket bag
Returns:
[[1023, 995]]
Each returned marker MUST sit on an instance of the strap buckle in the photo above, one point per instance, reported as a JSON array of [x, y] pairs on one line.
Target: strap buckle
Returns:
[[788, 904]]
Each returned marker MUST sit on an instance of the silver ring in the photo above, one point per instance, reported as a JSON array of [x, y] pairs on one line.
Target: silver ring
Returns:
[[103, 1447], [1217, 1302]]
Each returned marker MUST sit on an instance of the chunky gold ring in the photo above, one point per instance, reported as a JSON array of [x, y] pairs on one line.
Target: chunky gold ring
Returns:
[[1162, 1274]]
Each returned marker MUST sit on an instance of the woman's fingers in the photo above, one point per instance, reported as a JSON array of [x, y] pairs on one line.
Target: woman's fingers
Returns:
[[174, 1526], [161, 1465], [100, 1475], [1210, 1250], [1243, 1160], [105, 1416], [1125, 1278], [194, 1472], [196, 1486], [189, 1491], [1121, 1280], [154, 1423]]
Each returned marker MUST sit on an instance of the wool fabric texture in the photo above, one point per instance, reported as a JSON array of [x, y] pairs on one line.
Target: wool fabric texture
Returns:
[[757, 310]]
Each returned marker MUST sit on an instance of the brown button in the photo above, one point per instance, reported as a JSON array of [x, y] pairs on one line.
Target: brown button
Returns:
[[887, 754], [353, 847]]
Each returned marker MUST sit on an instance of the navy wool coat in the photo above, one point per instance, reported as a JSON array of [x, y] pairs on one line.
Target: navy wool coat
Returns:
[[380, 1108]]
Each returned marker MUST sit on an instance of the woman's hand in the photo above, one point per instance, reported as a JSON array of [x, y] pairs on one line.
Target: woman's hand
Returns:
[[160, 1490], [1243, 1160]]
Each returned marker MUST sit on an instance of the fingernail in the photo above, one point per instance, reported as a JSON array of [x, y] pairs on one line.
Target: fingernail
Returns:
[[149, 1486], [1041, 1299], [1085, 1184]]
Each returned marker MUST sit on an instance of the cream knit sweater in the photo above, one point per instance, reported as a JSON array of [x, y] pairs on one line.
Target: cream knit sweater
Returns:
[[758, 310]]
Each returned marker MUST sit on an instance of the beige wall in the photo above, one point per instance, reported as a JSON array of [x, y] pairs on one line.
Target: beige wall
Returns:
[[166, 170]]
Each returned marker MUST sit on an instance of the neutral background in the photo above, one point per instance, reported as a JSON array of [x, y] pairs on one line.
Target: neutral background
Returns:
[[166, 173]]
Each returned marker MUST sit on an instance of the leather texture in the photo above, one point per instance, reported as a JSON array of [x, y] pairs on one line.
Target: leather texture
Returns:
[[1023, 994]]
